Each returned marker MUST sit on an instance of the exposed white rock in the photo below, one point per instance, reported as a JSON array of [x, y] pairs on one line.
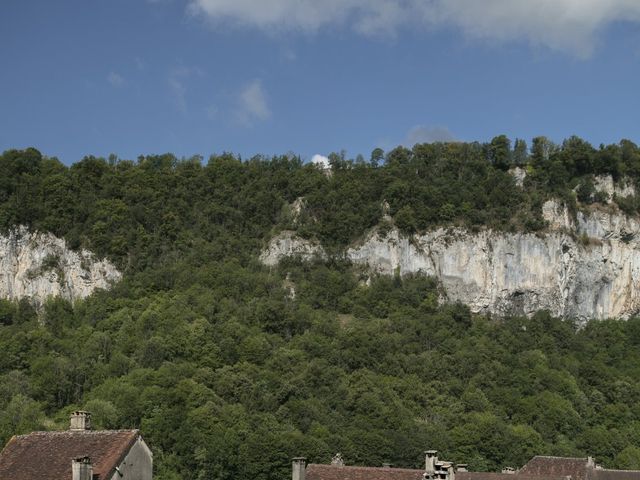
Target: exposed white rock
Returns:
[[557, 215], [518, 174], [37, 265], [516, 273], [583, 268], [296, 208], [605, 184], [288, 244]]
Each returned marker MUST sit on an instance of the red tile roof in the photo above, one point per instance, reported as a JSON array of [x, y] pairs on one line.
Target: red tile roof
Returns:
[[577, 468], [332, 472], [556, 466], [48, 455], [504, 476], [604, 474]]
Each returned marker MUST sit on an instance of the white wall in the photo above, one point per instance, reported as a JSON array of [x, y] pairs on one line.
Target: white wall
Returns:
[[137, 465]]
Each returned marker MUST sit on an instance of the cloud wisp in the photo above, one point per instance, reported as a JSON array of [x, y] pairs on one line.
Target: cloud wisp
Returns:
[[177, 81], [115, 79], [571, 26], [252, 104]]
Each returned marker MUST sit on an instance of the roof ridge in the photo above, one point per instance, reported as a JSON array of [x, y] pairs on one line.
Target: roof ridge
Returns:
[[562, 458], [615, 470], [363, 467], [77, 432]]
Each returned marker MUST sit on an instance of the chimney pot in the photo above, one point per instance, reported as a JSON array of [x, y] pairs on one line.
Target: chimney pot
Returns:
[[298, 465], [81, 468], [80, 421], [451, 472], [430, 461]]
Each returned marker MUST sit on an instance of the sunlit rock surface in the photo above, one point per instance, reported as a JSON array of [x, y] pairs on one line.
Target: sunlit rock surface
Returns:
[[584, 266], [37, 265], [288, 244]]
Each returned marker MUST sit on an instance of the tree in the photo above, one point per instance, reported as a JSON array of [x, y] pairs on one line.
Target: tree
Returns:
[[500, 152], [377, 156], [541, 150], [520, 152]]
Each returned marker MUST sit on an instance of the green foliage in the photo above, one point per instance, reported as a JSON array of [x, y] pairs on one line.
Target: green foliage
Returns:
[[231, 369]]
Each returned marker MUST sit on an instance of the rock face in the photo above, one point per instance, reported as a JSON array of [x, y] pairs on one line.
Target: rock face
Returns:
[[606, 185], [583, 268], [37, 265], [288, 244], [518, 174]]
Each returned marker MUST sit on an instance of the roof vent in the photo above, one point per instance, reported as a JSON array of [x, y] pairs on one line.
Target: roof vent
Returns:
[[80, 421]]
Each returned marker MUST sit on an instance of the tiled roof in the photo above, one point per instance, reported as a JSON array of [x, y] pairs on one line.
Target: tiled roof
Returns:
[[577, 468], [48, 455], [604, 474], [333, 472], [504, 476], [556, 466]]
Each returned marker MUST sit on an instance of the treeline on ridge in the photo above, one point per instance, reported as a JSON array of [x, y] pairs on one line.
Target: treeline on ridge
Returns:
[[137, 211], [229, 374]]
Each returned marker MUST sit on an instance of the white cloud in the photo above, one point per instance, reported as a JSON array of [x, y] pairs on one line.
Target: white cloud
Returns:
[[566, 25], [305, 15], [252, 104], [321, 161], [115, 79], [425, 134]]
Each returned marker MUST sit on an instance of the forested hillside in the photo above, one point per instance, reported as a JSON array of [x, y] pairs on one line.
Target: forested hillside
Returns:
[[231, 368]]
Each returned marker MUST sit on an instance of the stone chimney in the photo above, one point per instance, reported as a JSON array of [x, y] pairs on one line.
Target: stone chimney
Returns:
[[337, 460], [386, 465], [80, 421], [451, 472], [81, 468], [590, 462], [298, 465], [461, 467], [430, 459]]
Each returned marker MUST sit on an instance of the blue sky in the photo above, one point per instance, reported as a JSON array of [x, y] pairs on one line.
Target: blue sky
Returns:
[[135, 77]]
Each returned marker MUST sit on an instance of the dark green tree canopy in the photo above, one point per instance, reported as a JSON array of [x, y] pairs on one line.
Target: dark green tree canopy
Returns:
[[215, 357]]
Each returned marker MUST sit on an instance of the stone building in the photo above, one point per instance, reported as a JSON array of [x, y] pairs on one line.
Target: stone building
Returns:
[[77, 454], [538, 468]]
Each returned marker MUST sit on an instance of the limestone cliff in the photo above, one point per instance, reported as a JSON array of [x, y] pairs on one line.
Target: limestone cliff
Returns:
[[36, 265], [288, 244], [587, 267]]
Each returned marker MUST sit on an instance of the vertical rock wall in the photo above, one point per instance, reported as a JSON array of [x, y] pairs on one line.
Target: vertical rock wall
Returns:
[[39, 265]]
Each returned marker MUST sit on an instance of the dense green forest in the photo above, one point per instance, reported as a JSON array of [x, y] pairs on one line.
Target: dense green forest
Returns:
[[228, 376]]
